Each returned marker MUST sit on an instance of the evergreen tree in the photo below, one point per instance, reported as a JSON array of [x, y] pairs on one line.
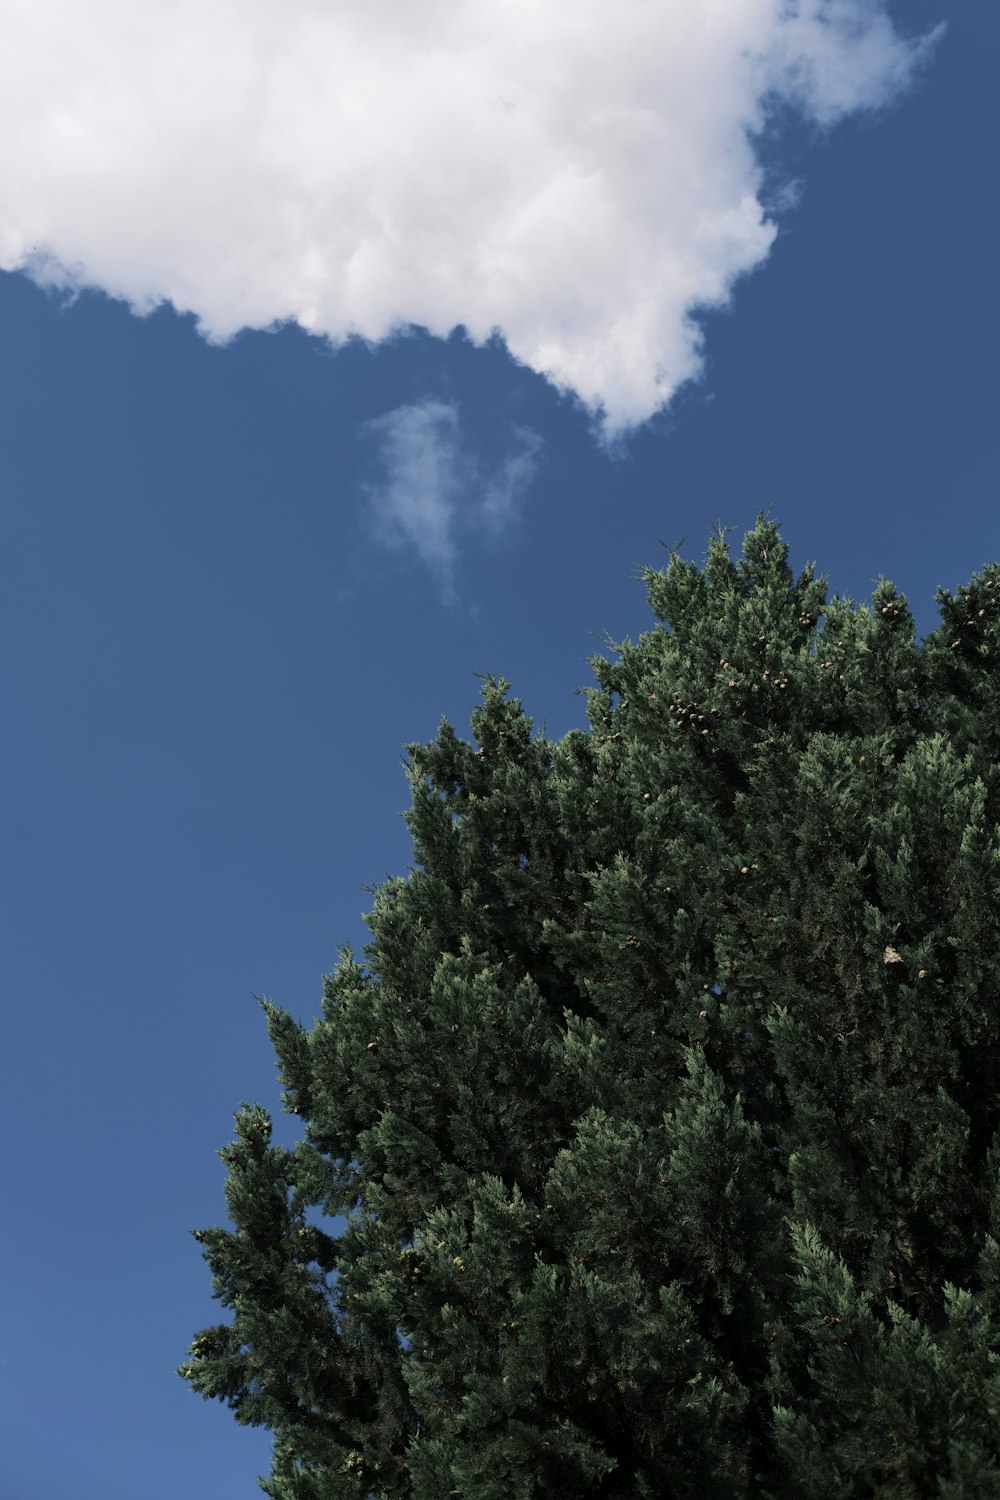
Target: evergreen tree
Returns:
[[663, 1122]]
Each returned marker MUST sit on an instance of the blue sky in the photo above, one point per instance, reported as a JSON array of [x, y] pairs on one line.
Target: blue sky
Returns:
[[238, 577]]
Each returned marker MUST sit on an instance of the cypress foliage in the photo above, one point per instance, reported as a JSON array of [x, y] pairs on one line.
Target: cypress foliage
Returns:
[[665, 1113]]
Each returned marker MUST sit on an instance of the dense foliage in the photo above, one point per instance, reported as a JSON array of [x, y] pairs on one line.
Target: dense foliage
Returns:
[[658, 1141]]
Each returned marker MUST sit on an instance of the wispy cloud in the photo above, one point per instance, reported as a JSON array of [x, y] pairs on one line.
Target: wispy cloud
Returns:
[[499, 499], [430, 486], [579, 176]]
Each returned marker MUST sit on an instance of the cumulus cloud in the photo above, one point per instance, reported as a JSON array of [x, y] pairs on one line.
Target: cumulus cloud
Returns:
[[430, 485], [578, 176]]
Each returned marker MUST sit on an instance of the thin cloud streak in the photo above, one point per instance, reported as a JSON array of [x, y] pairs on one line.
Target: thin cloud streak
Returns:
[[504, 490], [430, 485], [421, 468], [579, 177]]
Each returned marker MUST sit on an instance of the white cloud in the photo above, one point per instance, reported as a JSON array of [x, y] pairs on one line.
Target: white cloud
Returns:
[[430, 485], [578, 175]]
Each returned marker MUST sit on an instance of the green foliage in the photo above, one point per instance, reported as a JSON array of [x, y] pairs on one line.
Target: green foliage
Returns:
[[658, 1141]]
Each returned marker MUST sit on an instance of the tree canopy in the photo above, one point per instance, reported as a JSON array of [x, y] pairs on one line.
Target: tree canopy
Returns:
[[654, 1150]]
